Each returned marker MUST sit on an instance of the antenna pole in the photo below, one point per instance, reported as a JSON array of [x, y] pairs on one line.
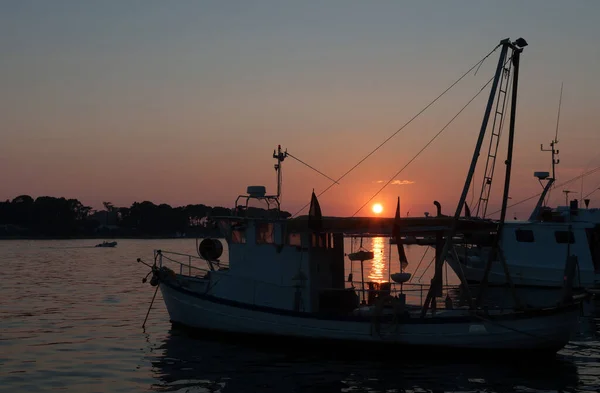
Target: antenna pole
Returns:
[[567, 192], [554, 153], [558, 116], [279, 156], [553, 143]]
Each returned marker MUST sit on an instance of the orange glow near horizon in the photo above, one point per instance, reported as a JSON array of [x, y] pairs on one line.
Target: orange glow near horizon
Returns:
[[135, 125]]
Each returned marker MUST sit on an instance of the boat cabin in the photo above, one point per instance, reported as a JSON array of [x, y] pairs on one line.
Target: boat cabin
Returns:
[[274, 266], [537, 252]]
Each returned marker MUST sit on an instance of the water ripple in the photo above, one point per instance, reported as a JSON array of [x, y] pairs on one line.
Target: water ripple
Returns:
[[70, 319]]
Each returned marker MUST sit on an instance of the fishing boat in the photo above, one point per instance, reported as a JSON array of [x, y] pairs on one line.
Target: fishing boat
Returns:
[[284, 278], [531, 249], [530, 246], [106, 244]]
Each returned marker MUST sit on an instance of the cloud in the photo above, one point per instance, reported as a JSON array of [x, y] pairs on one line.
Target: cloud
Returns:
[[396, 182], [401, 182]]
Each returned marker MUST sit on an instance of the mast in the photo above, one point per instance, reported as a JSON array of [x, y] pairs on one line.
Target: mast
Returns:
[[516, 47], [279, 156], [496, 131], [553, 143], [511, 135], [553, 153], [541, 176], [555, 161]]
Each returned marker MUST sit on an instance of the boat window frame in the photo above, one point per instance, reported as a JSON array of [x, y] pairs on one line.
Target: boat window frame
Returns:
[[262, 235], [238, 232], [559, 240], [519, 233], [294, 239]]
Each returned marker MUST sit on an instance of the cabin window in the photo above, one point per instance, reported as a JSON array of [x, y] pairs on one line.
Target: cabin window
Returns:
[[294, 239], [264, 233], [524, 236], [238, 236], [319, 240], [564, 237], [238, 233]]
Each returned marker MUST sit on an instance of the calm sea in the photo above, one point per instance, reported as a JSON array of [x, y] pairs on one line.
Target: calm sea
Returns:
[[71, 316]]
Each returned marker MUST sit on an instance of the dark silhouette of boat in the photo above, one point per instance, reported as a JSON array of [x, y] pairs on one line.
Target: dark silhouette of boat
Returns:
[[106, 244]]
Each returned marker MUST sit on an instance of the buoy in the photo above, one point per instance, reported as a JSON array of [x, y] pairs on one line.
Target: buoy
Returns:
[[400, 278], [361, 255]]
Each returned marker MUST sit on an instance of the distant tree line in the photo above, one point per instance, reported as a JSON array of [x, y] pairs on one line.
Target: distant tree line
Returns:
[[48, 216]]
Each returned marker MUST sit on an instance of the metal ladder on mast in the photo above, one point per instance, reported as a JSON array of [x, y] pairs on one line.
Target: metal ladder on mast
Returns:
[[497, 125]]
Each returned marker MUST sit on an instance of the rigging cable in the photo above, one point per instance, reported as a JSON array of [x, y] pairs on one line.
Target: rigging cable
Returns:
[[427, 268], [591, 171], [590, 193], [556, 141], [587, 166], [417, 268], [426, 146], [313, 168], [476, 65]]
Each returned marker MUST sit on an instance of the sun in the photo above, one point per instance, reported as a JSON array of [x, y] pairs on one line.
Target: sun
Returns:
[[377, 208]]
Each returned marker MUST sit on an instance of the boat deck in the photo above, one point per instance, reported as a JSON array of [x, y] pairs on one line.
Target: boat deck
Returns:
[[383, 226]]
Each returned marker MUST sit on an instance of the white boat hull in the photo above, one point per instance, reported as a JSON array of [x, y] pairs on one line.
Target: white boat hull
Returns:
[[520, 274], [548, 331]]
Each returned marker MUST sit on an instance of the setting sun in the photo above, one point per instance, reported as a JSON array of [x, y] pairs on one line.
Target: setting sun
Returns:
[[377, 208]]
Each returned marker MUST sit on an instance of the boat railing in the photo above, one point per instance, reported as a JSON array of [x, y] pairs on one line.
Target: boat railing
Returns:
[[415, 292], [189, 264]]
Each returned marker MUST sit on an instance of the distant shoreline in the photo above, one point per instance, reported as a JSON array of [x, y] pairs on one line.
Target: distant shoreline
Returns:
[[96, 237]]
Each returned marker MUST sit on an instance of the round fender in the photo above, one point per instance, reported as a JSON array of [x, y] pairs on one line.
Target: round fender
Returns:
[[210, 249]]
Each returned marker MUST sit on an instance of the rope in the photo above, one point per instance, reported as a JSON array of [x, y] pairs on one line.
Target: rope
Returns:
[[427, 268], [313, 168], [418, 265], [426, 146], [150, 307], [594, 190], [559, 185], [405, 125]]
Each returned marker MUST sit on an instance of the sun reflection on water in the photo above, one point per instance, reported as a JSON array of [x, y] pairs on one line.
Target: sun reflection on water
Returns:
[[377, 270]]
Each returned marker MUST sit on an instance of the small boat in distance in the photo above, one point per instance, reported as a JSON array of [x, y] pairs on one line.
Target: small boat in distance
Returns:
[[106, 244]]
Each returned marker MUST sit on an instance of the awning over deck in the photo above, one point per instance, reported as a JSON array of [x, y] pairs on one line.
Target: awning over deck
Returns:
[[383, 226]]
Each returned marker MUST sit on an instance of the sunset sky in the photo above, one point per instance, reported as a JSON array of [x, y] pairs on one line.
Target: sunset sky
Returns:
[[184, 101]]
